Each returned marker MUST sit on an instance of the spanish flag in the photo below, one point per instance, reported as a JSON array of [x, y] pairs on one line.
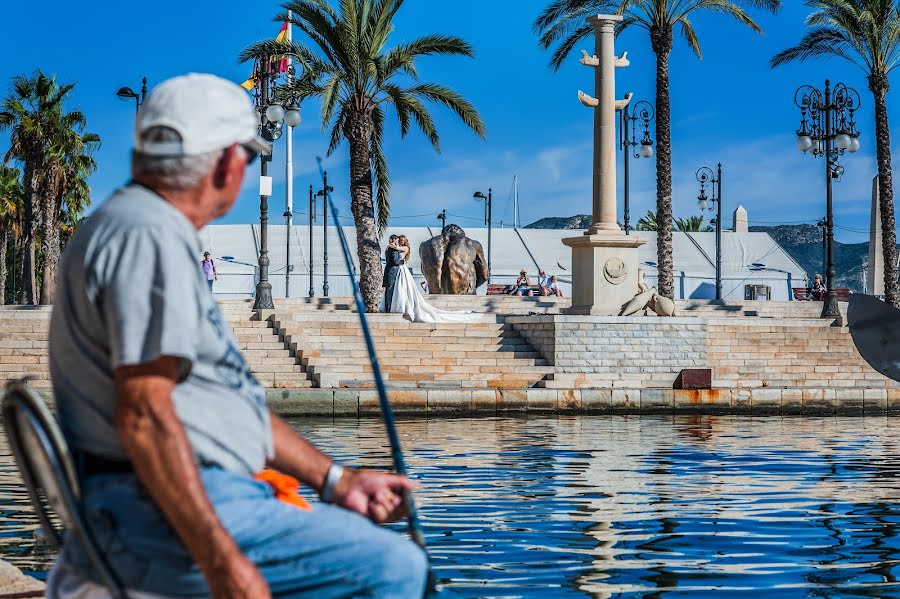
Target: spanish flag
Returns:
[[282, 36]]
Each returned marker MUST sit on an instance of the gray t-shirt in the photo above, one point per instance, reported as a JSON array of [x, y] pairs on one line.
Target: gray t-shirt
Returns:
[[130, 291]]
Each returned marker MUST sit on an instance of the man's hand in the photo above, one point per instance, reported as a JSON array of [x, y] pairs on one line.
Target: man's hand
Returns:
[[376, 495], [237, 579]]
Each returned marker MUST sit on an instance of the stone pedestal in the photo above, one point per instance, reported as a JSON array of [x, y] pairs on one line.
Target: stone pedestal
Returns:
[[604, 259], [604, 272]]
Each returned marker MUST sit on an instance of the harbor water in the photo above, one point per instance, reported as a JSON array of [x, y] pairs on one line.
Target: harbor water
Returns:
[[616, 506]]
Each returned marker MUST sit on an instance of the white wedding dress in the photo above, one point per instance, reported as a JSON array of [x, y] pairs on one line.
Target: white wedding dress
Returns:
[[409, 300]]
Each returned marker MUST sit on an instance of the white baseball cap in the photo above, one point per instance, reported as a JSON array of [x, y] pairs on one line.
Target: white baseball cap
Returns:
[[208, 112]]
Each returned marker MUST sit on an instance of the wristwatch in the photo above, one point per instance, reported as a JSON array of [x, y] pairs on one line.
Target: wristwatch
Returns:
[[335, 472]]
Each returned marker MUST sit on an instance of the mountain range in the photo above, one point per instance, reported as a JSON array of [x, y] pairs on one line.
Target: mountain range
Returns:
[[802, 242]]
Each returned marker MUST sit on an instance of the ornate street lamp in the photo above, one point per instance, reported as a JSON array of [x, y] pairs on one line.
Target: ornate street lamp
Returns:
[[707, 177], [643, 112], [488, 221], [828, 128], [275, 108], [126, 93]]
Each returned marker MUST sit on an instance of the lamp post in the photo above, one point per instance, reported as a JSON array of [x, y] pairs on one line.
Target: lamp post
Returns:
[[126, 93], [488, 221], [821, 225], [443, 218], [706, 176], [643, 112], [312, 219], [273, 115], [287, 255], [326, 189], [828, 128]]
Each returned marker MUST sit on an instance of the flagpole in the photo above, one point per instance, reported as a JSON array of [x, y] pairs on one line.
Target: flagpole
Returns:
[[289, 182]]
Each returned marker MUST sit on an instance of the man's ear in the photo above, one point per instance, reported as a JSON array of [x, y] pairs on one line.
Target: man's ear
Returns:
[[227, 167]]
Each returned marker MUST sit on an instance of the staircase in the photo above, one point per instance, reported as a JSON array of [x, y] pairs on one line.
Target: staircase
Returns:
[[484, 355], [24, 333]]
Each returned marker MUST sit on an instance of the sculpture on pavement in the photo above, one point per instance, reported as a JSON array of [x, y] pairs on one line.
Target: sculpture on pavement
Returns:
[[648, 299], [452, 263]]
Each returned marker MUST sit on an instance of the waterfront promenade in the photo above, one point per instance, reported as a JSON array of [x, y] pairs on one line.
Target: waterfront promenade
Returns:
[[525, 355]]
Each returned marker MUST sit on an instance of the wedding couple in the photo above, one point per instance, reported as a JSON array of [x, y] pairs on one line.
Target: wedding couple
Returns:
[[401, 293]]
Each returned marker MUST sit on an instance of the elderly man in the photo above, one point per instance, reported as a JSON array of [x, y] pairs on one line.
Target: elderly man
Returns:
[[167, 423]]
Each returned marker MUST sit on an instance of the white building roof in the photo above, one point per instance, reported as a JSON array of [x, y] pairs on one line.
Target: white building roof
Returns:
[[747, 258]]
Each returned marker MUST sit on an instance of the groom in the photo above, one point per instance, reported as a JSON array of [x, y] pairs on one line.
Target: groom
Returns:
[[393, 262]]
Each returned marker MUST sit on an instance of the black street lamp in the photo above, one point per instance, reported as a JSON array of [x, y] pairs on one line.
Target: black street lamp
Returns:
[[706, 176], [272, 117], [828, 128], [443, 218], [643, 112], [821, 225], [323, 193], [488, 221], [312, 219], [126, 93]]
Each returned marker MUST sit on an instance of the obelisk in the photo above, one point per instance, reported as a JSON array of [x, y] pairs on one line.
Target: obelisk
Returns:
[[604, 259], [875, 274]]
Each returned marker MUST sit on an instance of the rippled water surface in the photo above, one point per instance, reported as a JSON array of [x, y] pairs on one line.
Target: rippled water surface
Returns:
[[628, 506]]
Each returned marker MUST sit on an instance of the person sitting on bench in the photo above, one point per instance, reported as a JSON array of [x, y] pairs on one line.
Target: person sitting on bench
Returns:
[[169, 428]]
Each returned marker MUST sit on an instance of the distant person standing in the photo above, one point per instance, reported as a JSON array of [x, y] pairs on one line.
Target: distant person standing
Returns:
[[818, 290], [209, 269]]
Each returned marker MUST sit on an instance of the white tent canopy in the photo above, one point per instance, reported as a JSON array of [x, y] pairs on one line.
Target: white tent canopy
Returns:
[[747, 259]]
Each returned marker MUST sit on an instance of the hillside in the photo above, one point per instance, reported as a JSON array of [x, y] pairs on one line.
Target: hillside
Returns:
[[804, 244], [580, 221]]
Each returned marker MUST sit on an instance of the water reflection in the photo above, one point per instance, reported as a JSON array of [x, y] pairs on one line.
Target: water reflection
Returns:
[[628, 506]]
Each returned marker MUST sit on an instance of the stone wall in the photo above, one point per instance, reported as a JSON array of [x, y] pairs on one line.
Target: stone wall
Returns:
[[598, 351], [743, 353]]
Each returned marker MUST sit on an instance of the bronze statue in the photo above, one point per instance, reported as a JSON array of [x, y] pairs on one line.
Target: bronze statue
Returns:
[[452, 263]]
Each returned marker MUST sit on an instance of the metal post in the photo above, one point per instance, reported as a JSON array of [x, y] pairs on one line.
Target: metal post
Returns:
[[489, 232], [325, 237], [719, 237], [312, 218], [287, 255], [263, 299], [627, 145], [15, 272], [830, 308], [443, 218], [143, 89]]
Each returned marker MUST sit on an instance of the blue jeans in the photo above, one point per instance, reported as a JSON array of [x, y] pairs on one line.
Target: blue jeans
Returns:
[[326, 553], [210, 283]]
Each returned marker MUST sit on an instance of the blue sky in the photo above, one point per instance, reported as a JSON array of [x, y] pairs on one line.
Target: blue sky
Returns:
[[729, 107]]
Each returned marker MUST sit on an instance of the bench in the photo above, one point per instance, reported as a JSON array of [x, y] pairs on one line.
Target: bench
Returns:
[[801, 294], [497, 289]]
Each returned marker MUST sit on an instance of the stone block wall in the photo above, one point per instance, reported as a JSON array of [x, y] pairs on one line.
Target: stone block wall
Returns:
[[596, 351], [743, 353]]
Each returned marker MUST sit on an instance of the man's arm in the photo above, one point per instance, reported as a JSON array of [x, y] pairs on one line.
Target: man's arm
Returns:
[[163, 460], [376, 495]]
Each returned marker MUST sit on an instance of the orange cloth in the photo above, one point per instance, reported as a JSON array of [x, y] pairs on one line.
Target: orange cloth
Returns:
[[286, 488]]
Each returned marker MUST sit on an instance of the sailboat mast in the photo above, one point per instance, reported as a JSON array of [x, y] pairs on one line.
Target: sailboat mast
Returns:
[[516, 223]]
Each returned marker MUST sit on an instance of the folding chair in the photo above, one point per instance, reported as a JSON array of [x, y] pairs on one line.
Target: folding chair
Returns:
[[46, 466]]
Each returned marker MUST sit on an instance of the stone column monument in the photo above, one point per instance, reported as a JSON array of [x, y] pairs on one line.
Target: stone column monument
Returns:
[[604, 259], [875, 274]]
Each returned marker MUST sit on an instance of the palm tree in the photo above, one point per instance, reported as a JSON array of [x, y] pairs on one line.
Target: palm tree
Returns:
[[563, 24], [867, 34], [647, 222], [349, 67], [69, 163], [692, 224], [10, 200], [33, 113]]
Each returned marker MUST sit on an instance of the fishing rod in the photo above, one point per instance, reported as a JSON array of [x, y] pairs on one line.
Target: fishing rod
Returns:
[[387, 413]]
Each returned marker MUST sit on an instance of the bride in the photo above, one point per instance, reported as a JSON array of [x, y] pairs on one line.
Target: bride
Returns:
[[409, 300]]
